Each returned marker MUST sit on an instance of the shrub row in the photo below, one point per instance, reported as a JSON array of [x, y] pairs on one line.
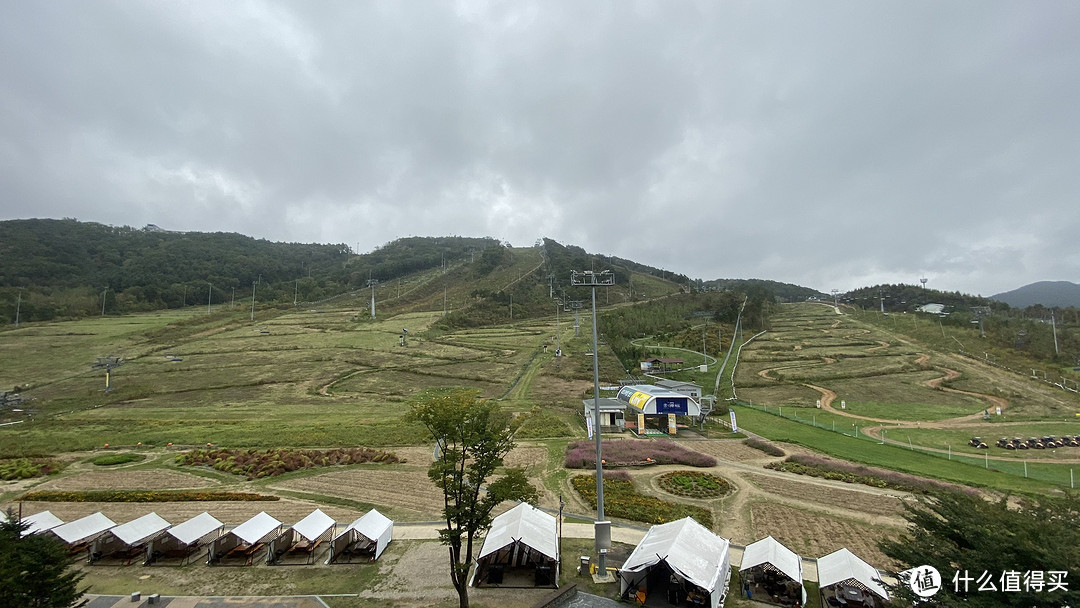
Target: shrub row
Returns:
[[624, 452], [827, 468], [539, 424], [143, 496], [266, 463], [765, 446], [621, 499], [26, 468]]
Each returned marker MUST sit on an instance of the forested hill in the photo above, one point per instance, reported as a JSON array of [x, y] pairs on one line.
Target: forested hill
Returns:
[[785, 292], [61, 268]]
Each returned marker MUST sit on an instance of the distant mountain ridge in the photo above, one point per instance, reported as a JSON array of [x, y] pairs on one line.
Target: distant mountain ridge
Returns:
[[1047, 293]]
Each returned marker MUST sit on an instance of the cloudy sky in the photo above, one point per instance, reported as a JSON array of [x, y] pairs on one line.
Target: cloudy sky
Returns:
[[829, 144]]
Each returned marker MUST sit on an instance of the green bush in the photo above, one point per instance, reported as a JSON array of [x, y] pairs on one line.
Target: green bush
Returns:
[[694, 484], [111, 460], [26, 468], [255, 464]]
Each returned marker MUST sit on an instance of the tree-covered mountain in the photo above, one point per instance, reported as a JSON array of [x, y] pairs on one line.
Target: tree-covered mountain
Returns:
[[1044, 293], [785, 292], [902, 298], [64, 268]]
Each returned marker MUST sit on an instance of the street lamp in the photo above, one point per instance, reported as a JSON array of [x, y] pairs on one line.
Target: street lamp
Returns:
[[602, 534]]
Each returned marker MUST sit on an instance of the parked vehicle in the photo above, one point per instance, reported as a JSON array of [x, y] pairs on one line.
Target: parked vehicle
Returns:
[[1020, 444], [977, 442], [1035, 444], [1050, 442], [1005, 443], [1068, 441]]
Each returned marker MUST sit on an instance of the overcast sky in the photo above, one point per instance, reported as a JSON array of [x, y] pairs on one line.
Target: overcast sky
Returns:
[[828, 144]]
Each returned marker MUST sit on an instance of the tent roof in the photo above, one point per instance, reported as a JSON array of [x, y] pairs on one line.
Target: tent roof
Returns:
[[769, 550], [41, 522], [688, 548], [139, 530], [371, 525], [254, 529], [82, 529], [195, 528], [843, 565], [523, 523], [314, 525]]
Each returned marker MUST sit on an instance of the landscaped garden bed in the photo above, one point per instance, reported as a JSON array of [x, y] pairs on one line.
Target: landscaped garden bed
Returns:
[[693, 484], [634, 452], [266, 463], [26, 468], [143, 496], [827, 468], [621, 499]]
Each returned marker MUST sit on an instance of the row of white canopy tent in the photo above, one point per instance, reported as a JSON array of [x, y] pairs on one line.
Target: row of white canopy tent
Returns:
[[152, 537]]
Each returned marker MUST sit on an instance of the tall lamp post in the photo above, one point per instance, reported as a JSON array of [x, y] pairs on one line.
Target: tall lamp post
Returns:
[[602, 529]]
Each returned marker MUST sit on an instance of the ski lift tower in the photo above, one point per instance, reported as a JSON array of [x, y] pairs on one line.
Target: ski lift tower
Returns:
[[372, 283], [980, 312], [108, 363], [602, 530], [576, 305], [923, 281]]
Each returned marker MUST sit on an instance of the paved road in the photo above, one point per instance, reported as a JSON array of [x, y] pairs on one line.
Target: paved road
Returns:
[[124, 601]]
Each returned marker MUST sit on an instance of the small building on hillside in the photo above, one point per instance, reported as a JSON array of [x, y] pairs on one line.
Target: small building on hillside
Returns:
[[612, 414], [681, 561], [366, 538], [663, 364], [686, 388], [520, 550], [772, 573], [846, 580]]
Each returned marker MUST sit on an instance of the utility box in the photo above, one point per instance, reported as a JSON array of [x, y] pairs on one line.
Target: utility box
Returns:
[[583, 568]]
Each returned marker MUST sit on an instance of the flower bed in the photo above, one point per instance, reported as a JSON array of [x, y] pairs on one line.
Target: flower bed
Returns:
[[112, 460], [693, 484], [621, 499], [826, 468], [266, 463], [632, 452], [26, 468], [143, 496]]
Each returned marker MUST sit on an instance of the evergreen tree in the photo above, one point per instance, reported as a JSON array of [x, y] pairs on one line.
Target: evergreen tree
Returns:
[[35, 569]]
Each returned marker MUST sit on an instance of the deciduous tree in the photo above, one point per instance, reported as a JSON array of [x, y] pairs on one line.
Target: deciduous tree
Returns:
[[472, 437]]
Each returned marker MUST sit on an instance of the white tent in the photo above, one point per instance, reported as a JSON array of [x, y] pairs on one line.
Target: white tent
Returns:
[[185, 538], [246, 539], [691, 551], [129, 539], [81, 531], [849, 575], [303, 538], [521, 537], [767, 554], [40, 522], [366, 536]]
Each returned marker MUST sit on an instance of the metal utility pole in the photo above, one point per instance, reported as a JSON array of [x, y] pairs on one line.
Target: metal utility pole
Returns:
[[373, 283], [835, 302], [18, 307], [603, 527], [881, 296], [1053, 324], [103, 294], [233, 305], [253, 301], [295, 290], [208, 296]]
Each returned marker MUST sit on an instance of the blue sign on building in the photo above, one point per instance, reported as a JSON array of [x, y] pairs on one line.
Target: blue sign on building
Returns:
[[671, 405]]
